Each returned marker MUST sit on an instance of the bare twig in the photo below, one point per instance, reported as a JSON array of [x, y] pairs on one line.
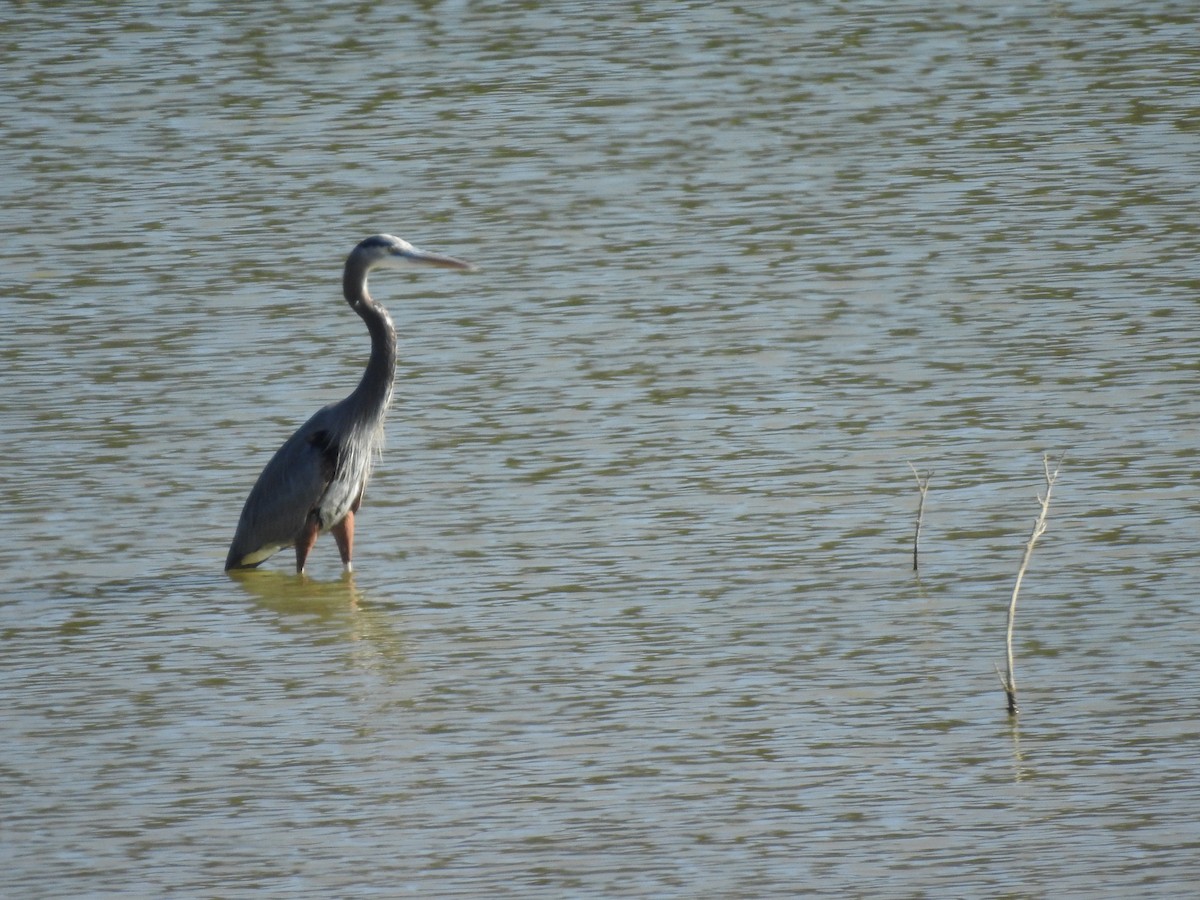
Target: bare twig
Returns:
[[1039, 528], [923, 487]]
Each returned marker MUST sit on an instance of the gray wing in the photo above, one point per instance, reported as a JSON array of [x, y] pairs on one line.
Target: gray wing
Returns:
[[289, 488]]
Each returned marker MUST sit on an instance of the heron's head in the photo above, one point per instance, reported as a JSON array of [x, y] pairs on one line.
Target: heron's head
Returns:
[[386, 251]]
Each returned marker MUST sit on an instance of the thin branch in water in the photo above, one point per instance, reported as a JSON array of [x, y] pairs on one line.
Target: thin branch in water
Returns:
[[1039, 528], [923, 487]]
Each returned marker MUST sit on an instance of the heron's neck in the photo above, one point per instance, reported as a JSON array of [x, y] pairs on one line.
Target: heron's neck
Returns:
[[371, 398]]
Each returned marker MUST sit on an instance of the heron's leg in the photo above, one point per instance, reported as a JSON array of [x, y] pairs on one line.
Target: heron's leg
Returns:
[[343, 533], [304, 543]]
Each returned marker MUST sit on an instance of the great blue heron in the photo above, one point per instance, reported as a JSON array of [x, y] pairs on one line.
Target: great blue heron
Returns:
[[315, 481]]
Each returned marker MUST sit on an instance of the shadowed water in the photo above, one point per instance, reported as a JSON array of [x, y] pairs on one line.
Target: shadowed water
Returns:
[[634, 612]]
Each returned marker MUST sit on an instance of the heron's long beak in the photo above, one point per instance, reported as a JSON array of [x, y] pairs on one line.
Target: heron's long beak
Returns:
[[427, 258]]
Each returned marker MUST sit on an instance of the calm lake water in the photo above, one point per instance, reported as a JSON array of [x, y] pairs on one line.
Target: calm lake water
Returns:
[[634, 612]]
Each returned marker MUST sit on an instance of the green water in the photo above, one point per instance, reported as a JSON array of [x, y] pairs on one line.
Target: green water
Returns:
[[634, 612]]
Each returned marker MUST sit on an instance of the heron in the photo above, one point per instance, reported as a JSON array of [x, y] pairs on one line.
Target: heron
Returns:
[[315, 482]]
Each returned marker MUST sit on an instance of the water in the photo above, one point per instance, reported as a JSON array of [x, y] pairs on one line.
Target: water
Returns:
[[634, 611]]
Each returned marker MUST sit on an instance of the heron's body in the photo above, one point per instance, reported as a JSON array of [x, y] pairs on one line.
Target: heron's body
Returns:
[[315, 482]]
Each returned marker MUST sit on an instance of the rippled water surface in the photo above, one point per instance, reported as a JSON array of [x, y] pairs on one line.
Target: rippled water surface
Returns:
[[634, 612]]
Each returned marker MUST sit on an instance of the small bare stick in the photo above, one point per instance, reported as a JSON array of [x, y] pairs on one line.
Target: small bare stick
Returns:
[[923, 487], [1039, 528]]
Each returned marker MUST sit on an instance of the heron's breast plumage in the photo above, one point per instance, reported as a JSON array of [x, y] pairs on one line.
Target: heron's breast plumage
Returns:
[[349, 460]]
